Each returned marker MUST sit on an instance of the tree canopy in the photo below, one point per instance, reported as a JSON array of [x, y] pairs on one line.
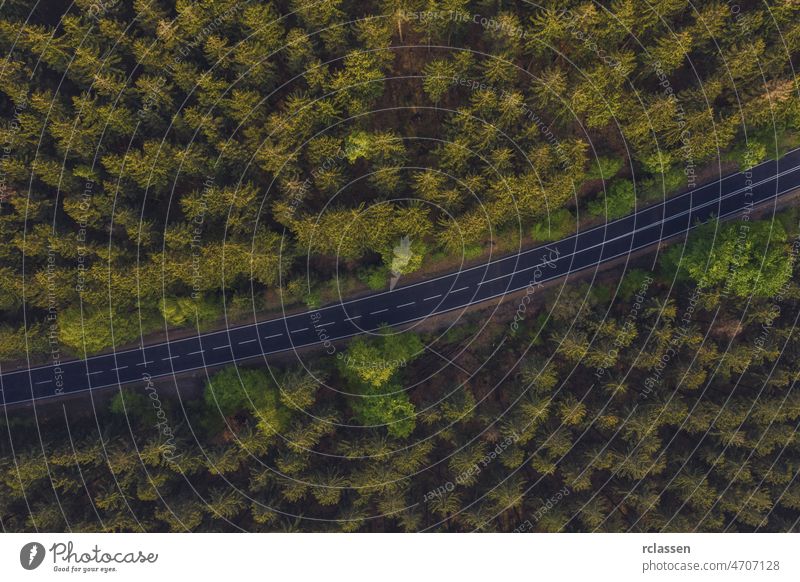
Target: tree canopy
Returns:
[[740, 258]]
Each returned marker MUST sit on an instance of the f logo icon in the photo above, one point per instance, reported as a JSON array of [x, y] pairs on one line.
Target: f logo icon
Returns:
[[31, 555]]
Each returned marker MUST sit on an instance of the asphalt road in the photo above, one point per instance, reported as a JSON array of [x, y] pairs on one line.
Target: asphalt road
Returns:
[[731, 195]]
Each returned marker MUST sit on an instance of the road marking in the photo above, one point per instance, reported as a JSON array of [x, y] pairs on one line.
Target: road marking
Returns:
[[145, 363], [406, 304], [324, 324], [44, 382], [221, 347], [516, 272], [169, 358], [299, 330], [193, 353], [119, 368], [457, 290], [434, 297], [272, 336], [606, 226], [93, 373], [379, 311], [352, 318], [248, 341]]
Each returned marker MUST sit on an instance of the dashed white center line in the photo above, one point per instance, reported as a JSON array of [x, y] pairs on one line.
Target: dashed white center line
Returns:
[[169, 358], [93, 373], [45, 382], [406, 304], [299, 330], [461, 289], [434, 297], [145, 363], [352, 318], [119, 368], [486, 281], [272, 336], [221, 347], [248, 341], [379, 311], [193, 353]]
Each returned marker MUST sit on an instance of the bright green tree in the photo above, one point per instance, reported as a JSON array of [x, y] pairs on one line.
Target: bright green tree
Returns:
[[370, 368], [742, 258], [234, 390]]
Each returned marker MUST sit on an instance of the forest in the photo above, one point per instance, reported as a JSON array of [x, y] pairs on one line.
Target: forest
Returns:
[[208, 160], [170, 167], [609, 408]]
